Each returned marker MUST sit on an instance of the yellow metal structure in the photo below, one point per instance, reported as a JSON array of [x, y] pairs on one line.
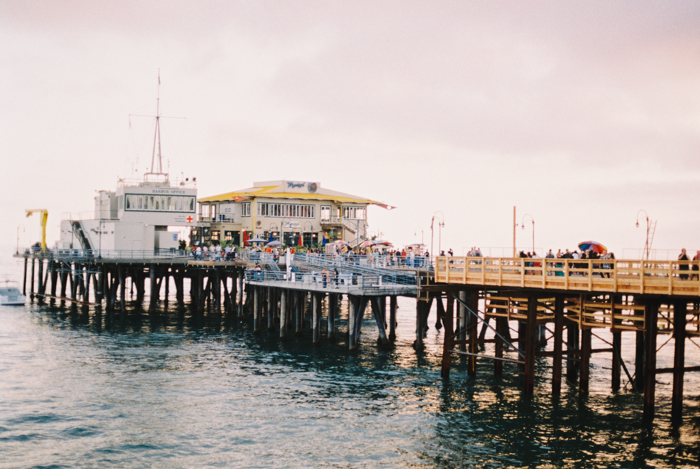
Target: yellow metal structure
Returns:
[[44, 215]]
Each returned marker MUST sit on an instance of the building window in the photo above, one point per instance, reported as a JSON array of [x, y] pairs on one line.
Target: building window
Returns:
[[149, 203], [228, 235], [266, 209], [245, 209], [355, 213], [325, 213], [215, 235]]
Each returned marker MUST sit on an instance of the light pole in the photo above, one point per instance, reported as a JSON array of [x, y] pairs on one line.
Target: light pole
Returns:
[[441, 223], [522, 225], [23, 230], [415, 233], [650, 233]]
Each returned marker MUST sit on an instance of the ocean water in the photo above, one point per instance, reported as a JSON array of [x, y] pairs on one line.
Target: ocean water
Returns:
[[166, 389]]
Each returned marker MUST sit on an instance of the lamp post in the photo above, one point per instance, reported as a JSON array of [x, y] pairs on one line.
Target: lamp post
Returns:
[[415, 233], [650, 233], [522, 225], [441, 223], [23, 230], [310, 229]]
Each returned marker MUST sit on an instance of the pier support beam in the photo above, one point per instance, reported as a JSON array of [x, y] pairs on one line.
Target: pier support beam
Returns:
[[283, 314], [256, 309], [448, 341], [472, 331], [353, 306], [680, 309], [651, 316], [616, 344], [378, 318], [530, 345], [316, 317], [393, 308], [299, 313], [332, 314], [572, 348], [586, 350], [558, 344], [420, 313]]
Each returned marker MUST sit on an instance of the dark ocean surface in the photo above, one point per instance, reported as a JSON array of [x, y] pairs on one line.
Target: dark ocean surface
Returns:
[[81, 389]]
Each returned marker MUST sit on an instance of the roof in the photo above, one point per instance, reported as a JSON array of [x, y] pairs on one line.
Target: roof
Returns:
[[292, 190]]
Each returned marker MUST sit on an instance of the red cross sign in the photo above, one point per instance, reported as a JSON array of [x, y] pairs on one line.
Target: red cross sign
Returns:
[[189, 219]]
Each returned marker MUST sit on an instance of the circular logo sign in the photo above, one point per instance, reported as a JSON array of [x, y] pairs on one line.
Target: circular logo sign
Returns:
[[313, 187]]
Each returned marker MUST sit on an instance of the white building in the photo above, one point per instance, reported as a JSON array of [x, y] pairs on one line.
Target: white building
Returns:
[[135, 217]]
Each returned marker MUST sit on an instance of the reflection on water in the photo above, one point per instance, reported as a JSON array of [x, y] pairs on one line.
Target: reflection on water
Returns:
[[171, 389]]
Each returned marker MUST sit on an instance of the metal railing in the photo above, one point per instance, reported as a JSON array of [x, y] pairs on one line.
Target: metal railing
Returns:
[[360, 284], [87, 254]]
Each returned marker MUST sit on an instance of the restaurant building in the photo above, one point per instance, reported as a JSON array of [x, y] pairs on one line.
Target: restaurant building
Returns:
[[294, 212]]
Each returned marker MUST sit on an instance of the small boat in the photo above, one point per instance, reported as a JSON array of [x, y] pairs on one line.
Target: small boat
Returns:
[[10, 294]]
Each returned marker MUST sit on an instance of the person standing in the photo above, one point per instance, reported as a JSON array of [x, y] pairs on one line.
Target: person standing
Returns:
[[683, 264]]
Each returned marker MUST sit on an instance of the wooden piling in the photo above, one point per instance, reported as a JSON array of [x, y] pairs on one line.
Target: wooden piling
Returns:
[[256, 310], [316, 318], [585, 359], [558, 344], [530, 344], [393, 308], [283, 314], [353, 305], [420, 307], [651, 316], [378, 318], [332, 313], [448, 342], [472, 330], [680, 309]]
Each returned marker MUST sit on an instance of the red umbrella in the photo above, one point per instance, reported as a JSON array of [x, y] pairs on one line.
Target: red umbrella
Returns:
[[246, 237], [301, 240]]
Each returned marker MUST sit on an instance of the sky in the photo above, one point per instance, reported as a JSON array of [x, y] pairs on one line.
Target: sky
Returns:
[[585, 115]]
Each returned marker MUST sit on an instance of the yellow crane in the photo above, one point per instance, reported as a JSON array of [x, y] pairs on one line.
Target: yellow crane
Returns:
[[44, 215]]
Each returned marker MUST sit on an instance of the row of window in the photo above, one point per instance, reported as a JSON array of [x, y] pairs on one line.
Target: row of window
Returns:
[[266, 209], [159, 203]]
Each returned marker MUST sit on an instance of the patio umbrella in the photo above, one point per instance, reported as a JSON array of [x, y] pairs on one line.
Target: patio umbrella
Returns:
[[257, 240], [274, 243], [592, 246]]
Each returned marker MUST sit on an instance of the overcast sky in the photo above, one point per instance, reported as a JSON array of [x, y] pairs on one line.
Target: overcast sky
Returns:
[[581, 114]]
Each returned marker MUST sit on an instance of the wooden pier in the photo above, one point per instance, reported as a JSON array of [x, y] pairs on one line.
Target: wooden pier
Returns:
[[557, 300], [570, 299]]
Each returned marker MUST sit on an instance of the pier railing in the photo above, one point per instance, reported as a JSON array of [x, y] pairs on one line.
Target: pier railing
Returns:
[[597, 275], [347, 282], [99, 254]]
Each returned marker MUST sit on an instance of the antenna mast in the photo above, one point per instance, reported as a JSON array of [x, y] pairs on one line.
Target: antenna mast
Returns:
[[156, 137], [156, 173]]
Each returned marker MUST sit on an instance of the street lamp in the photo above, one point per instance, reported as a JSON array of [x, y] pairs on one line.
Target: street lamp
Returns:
[[522, 225], [441, 223], [650, 233], [415, 233], [23, 230]]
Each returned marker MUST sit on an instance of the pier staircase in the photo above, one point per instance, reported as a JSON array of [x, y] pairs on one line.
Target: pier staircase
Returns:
[[79, 233]]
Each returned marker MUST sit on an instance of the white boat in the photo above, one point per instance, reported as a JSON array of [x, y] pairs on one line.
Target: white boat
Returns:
[[10, 294]]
